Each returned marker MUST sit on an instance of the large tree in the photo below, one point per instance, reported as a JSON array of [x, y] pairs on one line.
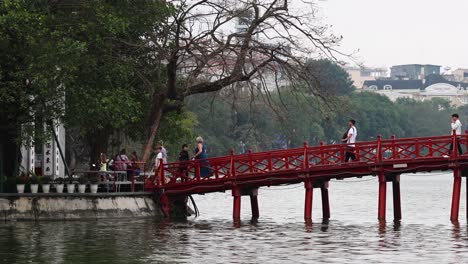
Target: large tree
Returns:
[[109, 95], [259, 45], [88, 52]]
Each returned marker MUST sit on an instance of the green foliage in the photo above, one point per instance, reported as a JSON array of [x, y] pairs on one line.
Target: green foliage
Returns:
[[329, 77], [22, 179], [108, 93], [177, 128], [92, 53], [45, 179], [426, 118]]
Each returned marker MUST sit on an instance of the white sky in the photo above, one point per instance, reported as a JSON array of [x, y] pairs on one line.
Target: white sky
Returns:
[[390, 32]]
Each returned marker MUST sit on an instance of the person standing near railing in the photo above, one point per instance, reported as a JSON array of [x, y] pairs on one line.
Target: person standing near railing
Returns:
[[456, 126], [200, 154], [184, 157], [103, 162], [163, 152], [159, 158], [350, 139], [158, 162]]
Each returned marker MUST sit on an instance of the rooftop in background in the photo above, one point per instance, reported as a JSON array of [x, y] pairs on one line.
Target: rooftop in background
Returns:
[[413, 71], [435, 78], [393, 84]]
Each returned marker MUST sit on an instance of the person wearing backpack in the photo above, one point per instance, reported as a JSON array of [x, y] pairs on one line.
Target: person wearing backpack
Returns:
[[350, 139]]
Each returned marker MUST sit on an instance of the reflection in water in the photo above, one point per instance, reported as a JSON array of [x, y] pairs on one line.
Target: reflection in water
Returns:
[[279, 236]]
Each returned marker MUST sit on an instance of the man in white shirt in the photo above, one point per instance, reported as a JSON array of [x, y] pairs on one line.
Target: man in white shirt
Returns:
[[350, 139], [163, 152], [159, 158], [457, 127]]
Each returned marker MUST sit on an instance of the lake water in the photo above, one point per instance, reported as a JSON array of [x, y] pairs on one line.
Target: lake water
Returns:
[[353, 235]]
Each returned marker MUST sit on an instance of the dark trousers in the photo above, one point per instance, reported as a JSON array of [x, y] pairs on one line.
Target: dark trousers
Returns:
[[350, 154], [460, 151]]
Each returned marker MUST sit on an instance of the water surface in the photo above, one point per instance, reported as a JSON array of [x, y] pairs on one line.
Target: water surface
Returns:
[[353, 235]]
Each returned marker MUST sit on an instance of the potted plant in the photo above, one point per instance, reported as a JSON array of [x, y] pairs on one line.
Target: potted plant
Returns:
[[34, 180], [93, 184], [21, 181], [70, 185], [82, 181], [45, 184], [59, 185]]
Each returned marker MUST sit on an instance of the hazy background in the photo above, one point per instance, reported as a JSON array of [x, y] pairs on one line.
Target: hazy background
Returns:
[[401, 31]]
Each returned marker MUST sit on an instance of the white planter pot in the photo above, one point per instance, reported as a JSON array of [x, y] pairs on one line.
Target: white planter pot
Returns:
[[93, 188], [70, 188], [82, 188], [45, 187], [34, 188], [20, 188], [59, 188]]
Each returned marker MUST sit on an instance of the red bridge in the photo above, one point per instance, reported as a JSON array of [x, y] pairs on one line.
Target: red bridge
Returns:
[[315, 166]]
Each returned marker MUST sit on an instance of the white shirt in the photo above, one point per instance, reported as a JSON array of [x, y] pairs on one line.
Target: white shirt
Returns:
[[157, 162], [457, 126], [164, 154], [353, 132]]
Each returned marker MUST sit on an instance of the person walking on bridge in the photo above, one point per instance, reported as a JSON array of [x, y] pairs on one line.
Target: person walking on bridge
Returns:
[[350, 139], [456, 126], [200, 154]]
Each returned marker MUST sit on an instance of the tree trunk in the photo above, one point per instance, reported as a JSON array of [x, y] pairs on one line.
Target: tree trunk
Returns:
[[98, 141], [155, 124]]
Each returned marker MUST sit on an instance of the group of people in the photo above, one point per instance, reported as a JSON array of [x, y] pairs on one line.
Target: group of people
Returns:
[[351, 134], [199, 153], [119, 162]]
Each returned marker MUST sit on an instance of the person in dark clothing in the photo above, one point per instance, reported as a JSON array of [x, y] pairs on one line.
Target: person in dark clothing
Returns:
[[183, 159]]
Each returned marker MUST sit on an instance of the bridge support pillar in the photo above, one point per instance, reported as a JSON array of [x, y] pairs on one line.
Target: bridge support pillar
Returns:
[[396, 198], [309, 191], [457, 181], [325, 201], [382, 196], [236, 193], [254, 204]]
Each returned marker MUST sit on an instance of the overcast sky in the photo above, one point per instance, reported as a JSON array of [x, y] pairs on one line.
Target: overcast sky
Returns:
[[390, 32]]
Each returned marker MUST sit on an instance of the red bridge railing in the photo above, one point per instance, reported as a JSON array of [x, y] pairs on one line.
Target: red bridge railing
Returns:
[[306, 159]]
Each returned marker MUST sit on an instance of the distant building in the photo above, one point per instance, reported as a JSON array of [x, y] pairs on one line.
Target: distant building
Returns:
[[394, 89], [413, 71], [432, 86], [460, 75], [361, 74]]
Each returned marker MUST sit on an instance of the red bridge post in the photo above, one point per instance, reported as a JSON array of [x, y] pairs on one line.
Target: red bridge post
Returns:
[[254, 203], [457, 181], [396, 198], [309, 187], [382, 196], [325, 201], [236, 193]]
